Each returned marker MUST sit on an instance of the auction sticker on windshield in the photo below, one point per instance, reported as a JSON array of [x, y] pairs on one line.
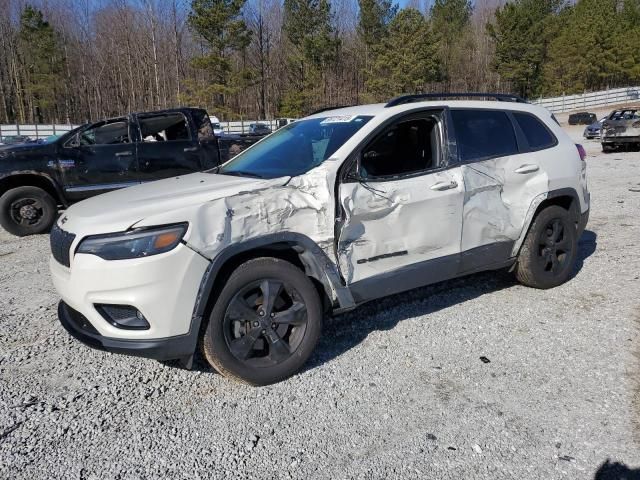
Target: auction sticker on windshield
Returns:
[[339, 119]]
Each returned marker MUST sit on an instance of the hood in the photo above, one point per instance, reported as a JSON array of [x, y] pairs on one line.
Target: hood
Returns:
[[121, 209], [22, 149]]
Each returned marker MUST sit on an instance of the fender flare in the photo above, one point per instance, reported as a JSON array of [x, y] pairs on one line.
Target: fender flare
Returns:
[[316, 262], [54, 185], [533, 208]]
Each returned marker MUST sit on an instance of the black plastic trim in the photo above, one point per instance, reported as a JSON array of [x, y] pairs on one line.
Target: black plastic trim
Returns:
[[168, 348], [315, 260], [486, 257]]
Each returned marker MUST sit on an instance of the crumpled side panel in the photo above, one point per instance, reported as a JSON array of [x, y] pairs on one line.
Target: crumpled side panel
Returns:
[[497, 201], [304, 205], [392, 224]]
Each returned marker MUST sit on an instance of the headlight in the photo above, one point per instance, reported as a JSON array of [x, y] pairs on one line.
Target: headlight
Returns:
[[134, 244]]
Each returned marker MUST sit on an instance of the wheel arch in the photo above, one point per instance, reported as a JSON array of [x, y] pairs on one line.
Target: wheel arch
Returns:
[[295, 248], [566, 198], [32, 179]]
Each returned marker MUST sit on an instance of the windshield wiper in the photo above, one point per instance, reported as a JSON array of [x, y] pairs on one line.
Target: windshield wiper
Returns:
[[240, 173]]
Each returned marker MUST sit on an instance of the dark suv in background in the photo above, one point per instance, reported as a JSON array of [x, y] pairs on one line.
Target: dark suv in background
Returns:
[[36, 179], [582, 118]]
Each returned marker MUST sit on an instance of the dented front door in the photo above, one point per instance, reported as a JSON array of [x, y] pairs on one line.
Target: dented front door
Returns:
[[397, 223]]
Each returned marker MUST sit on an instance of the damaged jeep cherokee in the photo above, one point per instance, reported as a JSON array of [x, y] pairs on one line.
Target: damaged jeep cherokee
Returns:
[[340, 208]]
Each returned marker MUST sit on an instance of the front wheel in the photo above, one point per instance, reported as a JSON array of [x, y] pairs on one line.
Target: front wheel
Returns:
[[549, 251], [27, 211], [265, 323]]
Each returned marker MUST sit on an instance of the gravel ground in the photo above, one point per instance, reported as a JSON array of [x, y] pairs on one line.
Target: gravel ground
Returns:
[[396, 389]]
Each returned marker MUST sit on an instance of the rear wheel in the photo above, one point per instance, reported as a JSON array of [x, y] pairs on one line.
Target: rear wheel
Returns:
[[607, 148], [549, 251], [265, 323], [27, 211]]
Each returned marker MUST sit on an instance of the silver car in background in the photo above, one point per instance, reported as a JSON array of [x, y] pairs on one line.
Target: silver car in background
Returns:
[[621, 129]]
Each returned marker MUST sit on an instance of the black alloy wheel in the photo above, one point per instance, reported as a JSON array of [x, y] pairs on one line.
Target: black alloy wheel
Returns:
[[553, 247], [549, 251], [265, 322], [27, 210]]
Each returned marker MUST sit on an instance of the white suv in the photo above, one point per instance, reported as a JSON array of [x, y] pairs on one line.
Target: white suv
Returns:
[[337, 209]]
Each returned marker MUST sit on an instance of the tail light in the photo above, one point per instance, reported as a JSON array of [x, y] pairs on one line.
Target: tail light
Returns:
[[582, 152]]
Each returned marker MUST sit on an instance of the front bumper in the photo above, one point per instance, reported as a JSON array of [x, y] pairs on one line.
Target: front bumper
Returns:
[[163, 288], [179, 347]]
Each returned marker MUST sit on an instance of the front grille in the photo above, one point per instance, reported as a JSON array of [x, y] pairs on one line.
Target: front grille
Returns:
[[61, 245]]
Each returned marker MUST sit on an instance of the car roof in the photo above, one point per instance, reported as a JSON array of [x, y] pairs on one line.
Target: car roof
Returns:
[[380, 109]]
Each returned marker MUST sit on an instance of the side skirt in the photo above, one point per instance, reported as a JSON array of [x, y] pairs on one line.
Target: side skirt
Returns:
[[486, 257]]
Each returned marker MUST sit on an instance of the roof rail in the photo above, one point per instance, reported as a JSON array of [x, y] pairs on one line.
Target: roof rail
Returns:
[[500, 97], [329, 108]]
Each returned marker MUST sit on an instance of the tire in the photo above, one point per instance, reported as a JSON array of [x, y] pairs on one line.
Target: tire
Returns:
[[263, 343], [27, 211], [607, 148], [549, 251]]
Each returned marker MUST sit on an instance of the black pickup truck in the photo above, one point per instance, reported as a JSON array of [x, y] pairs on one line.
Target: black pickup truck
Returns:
[[36, 180]]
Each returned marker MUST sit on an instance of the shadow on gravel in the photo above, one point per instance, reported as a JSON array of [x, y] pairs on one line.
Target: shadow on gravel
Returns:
[[616, 471], [587, 245], [345, 331]]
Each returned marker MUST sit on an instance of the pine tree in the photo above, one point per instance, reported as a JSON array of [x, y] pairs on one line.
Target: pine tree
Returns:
[[450, 21], [308, 28], [522, 31], [43, 63], [628, 42], [373, 27], [219, 24], [589, 51], [373, 20], [406, 61]]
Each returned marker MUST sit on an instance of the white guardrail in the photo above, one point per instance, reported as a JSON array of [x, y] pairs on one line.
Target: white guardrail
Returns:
[[568, 103], [43, 130], [565, 103]]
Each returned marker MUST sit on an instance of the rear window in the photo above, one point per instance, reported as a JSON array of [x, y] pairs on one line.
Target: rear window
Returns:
[[483, 134], [538, 136]]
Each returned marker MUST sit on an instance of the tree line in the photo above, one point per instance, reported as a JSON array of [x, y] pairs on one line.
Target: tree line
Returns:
[[79, 60]]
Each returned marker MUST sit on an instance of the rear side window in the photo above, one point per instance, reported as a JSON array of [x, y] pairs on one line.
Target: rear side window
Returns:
[[163, 127], [538, 136], [483, 134]]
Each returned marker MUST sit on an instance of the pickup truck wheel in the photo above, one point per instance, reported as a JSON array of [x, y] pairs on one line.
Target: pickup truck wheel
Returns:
[[265, 323], [549, 251], [27, 211]]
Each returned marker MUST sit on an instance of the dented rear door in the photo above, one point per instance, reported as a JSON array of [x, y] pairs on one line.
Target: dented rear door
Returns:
[[502, 177]]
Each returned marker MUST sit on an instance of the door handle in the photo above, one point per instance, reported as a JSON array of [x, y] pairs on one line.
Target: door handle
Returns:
[[190, 149], [528, 168], [441, 186], [124, 154]]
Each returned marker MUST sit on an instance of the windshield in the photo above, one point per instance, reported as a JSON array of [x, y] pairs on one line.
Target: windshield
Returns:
[[296, 148]]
